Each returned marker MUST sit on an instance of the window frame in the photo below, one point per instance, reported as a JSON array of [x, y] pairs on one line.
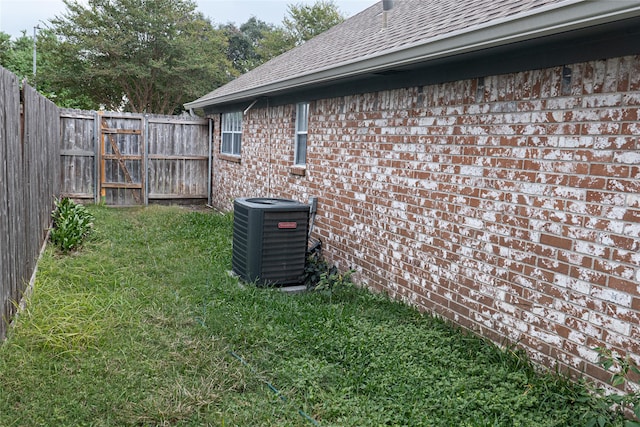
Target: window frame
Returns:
[[301, 134], [231, 133]]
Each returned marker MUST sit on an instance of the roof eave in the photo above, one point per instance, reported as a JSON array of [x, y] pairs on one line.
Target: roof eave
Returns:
[[555, 19]]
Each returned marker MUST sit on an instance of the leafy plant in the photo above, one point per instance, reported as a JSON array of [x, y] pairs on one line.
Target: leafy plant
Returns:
[[322, 276], [623, 370], [72, 223]]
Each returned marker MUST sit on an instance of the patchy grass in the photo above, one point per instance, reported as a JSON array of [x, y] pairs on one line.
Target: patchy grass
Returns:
[[144, 327]]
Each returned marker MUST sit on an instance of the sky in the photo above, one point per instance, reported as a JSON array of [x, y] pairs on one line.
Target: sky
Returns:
[[18, 15]]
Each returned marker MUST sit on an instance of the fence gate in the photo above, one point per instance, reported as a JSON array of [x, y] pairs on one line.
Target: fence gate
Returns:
[[122, 160], [133, 159]]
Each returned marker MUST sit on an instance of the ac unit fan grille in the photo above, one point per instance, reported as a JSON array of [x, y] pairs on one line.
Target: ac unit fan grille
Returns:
[[284, 250]]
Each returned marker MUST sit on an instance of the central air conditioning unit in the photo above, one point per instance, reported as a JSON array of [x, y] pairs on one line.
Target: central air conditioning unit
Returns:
[[270, 240]]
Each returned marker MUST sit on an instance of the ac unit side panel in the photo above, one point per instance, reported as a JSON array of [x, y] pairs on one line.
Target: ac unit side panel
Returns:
[[247, 234], [240, 220]]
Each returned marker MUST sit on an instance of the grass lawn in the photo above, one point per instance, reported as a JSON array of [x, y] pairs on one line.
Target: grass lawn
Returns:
[[144, 327]]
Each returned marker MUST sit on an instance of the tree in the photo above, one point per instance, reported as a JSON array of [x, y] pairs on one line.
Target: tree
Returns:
[[255, 42], [305, 22], [275, 43], [5, 49], [244, 42], [138, 55], [302, 23], [51, 67], [17, 56]]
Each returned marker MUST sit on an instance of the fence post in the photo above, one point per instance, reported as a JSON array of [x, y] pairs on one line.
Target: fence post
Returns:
[[145, 157], [96, 158]]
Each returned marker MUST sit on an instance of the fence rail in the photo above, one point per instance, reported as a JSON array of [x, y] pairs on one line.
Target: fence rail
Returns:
[[29, 180]]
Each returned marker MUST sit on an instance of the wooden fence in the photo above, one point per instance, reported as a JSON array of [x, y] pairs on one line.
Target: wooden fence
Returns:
[[118, 158], [132, 159], [29, 180]]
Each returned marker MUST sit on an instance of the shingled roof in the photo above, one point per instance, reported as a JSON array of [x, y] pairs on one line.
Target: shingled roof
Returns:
[[414, 31]]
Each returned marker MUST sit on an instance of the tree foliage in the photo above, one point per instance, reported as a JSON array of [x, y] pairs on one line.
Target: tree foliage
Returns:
[[52, 68], [255, 42], [17, 55], [305, 22], [151, 55], [139, 55], [243, 49], [5, 48], [301, 24]]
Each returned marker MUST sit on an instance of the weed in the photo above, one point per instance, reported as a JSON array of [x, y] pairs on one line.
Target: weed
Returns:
[[319, 275], [625, 373], [71, 224]]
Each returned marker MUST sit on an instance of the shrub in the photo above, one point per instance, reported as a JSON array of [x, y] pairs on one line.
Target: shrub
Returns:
[[72, 223]]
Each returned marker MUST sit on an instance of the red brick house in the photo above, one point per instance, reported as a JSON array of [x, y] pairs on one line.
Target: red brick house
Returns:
[[479, 160]]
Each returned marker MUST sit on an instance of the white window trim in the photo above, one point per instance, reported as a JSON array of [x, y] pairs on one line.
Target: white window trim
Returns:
[[231, 124], [296, 161]]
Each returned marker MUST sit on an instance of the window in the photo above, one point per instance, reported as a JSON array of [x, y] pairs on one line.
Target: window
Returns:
[[302, 124], [231, 133]]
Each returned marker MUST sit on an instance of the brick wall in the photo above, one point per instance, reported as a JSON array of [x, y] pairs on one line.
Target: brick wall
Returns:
[[509, 204]]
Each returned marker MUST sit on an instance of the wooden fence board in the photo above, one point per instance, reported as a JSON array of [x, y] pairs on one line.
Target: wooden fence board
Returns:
[[15, 248], [9, 137]]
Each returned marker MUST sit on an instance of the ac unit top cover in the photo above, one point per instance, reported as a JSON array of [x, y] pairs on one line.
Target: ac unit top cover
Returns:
[[272, 204]]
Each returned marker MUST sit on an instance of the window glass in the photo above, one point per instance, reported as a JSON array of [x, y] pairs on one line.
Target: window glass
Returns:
[[302, 126], [231, 133]]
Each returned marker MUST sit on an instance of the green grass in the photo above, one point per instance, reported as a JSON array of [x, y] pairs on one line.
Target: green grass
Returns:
[[144, 327]]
